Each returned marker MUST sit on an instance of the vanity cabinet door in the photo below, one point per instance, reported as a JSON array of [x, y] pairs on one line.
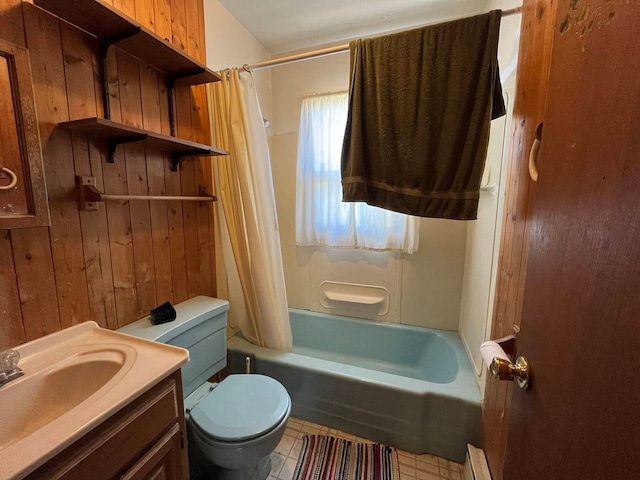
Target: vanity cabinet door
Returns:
[[162, 462], [23, 195], [144, 440]]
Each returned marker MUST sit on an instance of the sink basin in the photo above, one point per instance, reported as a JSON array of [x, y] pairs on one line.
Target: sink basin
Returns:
[[74, 380], [34, 401]]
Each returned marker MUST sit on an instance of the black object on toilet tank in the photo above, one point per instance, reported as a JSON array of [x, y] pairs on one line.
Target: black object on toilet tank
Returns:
[[163, 314]]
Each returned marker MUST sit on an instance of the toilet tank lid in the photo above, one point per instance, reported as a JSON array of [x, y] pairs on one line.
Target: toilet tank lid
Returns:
[[188, 314]]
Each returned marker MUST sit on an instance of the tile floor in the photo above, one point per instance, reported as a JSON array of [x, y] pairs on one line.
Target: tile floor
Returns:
[[412, 467]]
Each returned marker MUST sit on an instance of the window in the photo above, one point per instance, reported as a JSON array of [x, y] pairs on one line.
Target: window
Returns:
[[321, 217]]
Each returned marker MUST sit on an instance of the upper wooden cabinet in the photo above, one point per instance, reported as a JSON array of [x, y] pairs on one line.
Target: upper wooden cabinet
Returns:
[[23, 194]]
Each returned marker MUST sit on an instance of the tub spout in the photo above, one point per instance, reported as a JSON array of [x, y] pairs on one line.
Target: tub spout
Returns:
[[9, 369]]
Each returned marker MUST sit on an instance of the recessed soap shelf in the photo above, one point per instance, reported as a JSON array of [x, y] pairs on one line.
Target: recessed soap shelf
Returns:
[[355, 294]]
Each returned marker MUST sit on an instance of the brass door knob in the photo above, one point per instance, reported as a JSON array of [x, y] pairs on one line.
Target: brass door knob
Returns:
[[505, 370]]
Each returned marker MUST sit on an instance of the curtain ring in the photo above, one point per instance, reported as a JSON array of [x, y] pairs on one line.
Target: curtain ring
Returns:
[[14, 179], [246, 68]]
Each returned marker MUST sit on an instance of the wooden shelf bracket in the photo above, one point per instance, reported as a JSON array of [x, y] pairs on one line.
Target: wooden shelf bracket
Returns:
[[112, 144]]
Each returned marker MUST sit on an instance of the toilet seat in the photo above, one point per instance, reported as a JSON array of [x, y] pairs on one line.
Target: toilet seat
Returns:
[[241, 407]]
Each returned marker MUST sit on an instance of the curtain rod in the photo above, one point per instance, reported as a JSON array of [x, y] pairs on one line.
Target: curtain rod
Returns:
[[326, 51]]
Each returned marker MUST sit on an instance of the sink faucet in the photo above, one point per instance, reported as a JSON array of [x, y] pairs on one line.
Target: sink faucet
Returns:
[[9, 369]]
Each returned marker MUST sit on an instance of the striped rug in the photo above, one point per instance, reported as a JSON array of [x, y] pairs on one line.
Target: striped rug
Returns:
[[329, 458]]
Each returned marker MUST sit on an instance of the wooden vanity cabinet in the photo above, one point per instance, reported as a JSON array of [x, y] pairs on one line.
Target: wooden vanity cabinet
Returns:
[[145, 440]]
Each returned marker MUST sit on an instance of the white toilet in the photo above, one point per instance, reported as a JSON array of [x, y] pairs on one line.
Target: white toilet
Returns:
[[235, 425]]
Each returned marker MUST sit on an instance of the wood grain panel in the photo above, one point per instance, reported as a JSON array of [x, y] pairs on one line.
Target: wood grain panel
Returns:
[[152, 119], [12, 24], [162, 9], [179, 24], [47, 64], [130, 95], [99, 231], [533, 72], [33, 262], [12, 333], [146, 15], [141, 230], [112, 264], [176, 236], [83, 101]]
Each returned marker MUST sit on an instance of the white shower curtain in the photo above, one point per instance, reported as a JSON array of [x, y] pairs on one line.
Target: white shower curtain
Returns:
[[246, 198]]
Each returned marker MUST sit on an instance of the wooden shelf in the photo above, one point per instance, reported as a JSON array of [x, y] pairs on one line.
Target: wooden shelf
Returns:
[[117, 133], [111, 27]]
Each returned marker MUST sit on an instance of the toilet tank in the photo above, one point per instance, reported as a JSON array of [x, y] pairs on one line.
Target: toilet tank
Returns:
[[200, 327]]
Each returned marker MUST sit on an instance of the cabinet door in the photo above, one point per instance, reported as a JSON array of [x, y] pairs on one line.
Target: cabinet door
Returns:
[[123, 440], [162, 462], [23, 196]]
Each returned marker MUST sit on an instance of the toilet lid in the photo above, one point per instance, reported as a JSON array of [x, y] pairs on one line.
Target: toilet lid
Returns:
[[241, 407]]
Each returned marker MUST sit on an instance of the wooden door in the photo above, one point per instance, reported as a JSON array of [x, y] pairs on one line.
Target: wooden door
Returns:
[[580, 328]]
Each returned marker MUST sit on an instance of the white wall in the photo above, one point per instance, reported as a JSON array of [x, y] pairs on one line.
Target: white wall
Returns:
[[425, 288], [483, 235], [229, 44]]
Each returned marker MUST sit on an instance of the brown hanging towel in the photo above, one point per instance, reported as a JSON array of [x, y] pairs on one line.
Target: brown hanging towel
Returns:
[[420, 108]]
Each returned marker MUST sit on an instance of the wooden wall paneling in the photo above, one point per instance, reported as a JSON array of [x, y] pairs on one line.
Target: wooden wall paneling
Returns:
[[192, 27], [134, 153], [88, 264], [179, 24], [190, 226], [176, 235], [533, 70], [152, 119], [79, 65], [201, 131], [129, 88], [12, 332], [121, 241], [12, 23], [141, 230], [118, 216], [90, 223], [97, 157], [162, 10], [45, 43], [28, 313], [172, 184], [160, 228], [33, 261], [208, 165], [187, 170], [145, 14], [113, 85], [128, 7]]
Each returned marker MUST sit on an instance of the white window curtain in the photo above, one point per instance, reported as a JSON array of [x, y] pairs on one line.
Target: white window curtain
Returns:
[[322, 218]]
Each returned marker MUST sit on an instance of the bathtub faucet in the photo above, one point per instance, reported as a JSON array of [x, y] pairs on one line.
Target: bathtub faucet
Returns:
[[9, 369]]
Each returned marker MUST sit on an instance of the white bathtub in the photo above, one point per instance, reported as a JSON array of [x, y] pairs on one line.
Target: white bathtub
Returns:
[[409, 387]]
